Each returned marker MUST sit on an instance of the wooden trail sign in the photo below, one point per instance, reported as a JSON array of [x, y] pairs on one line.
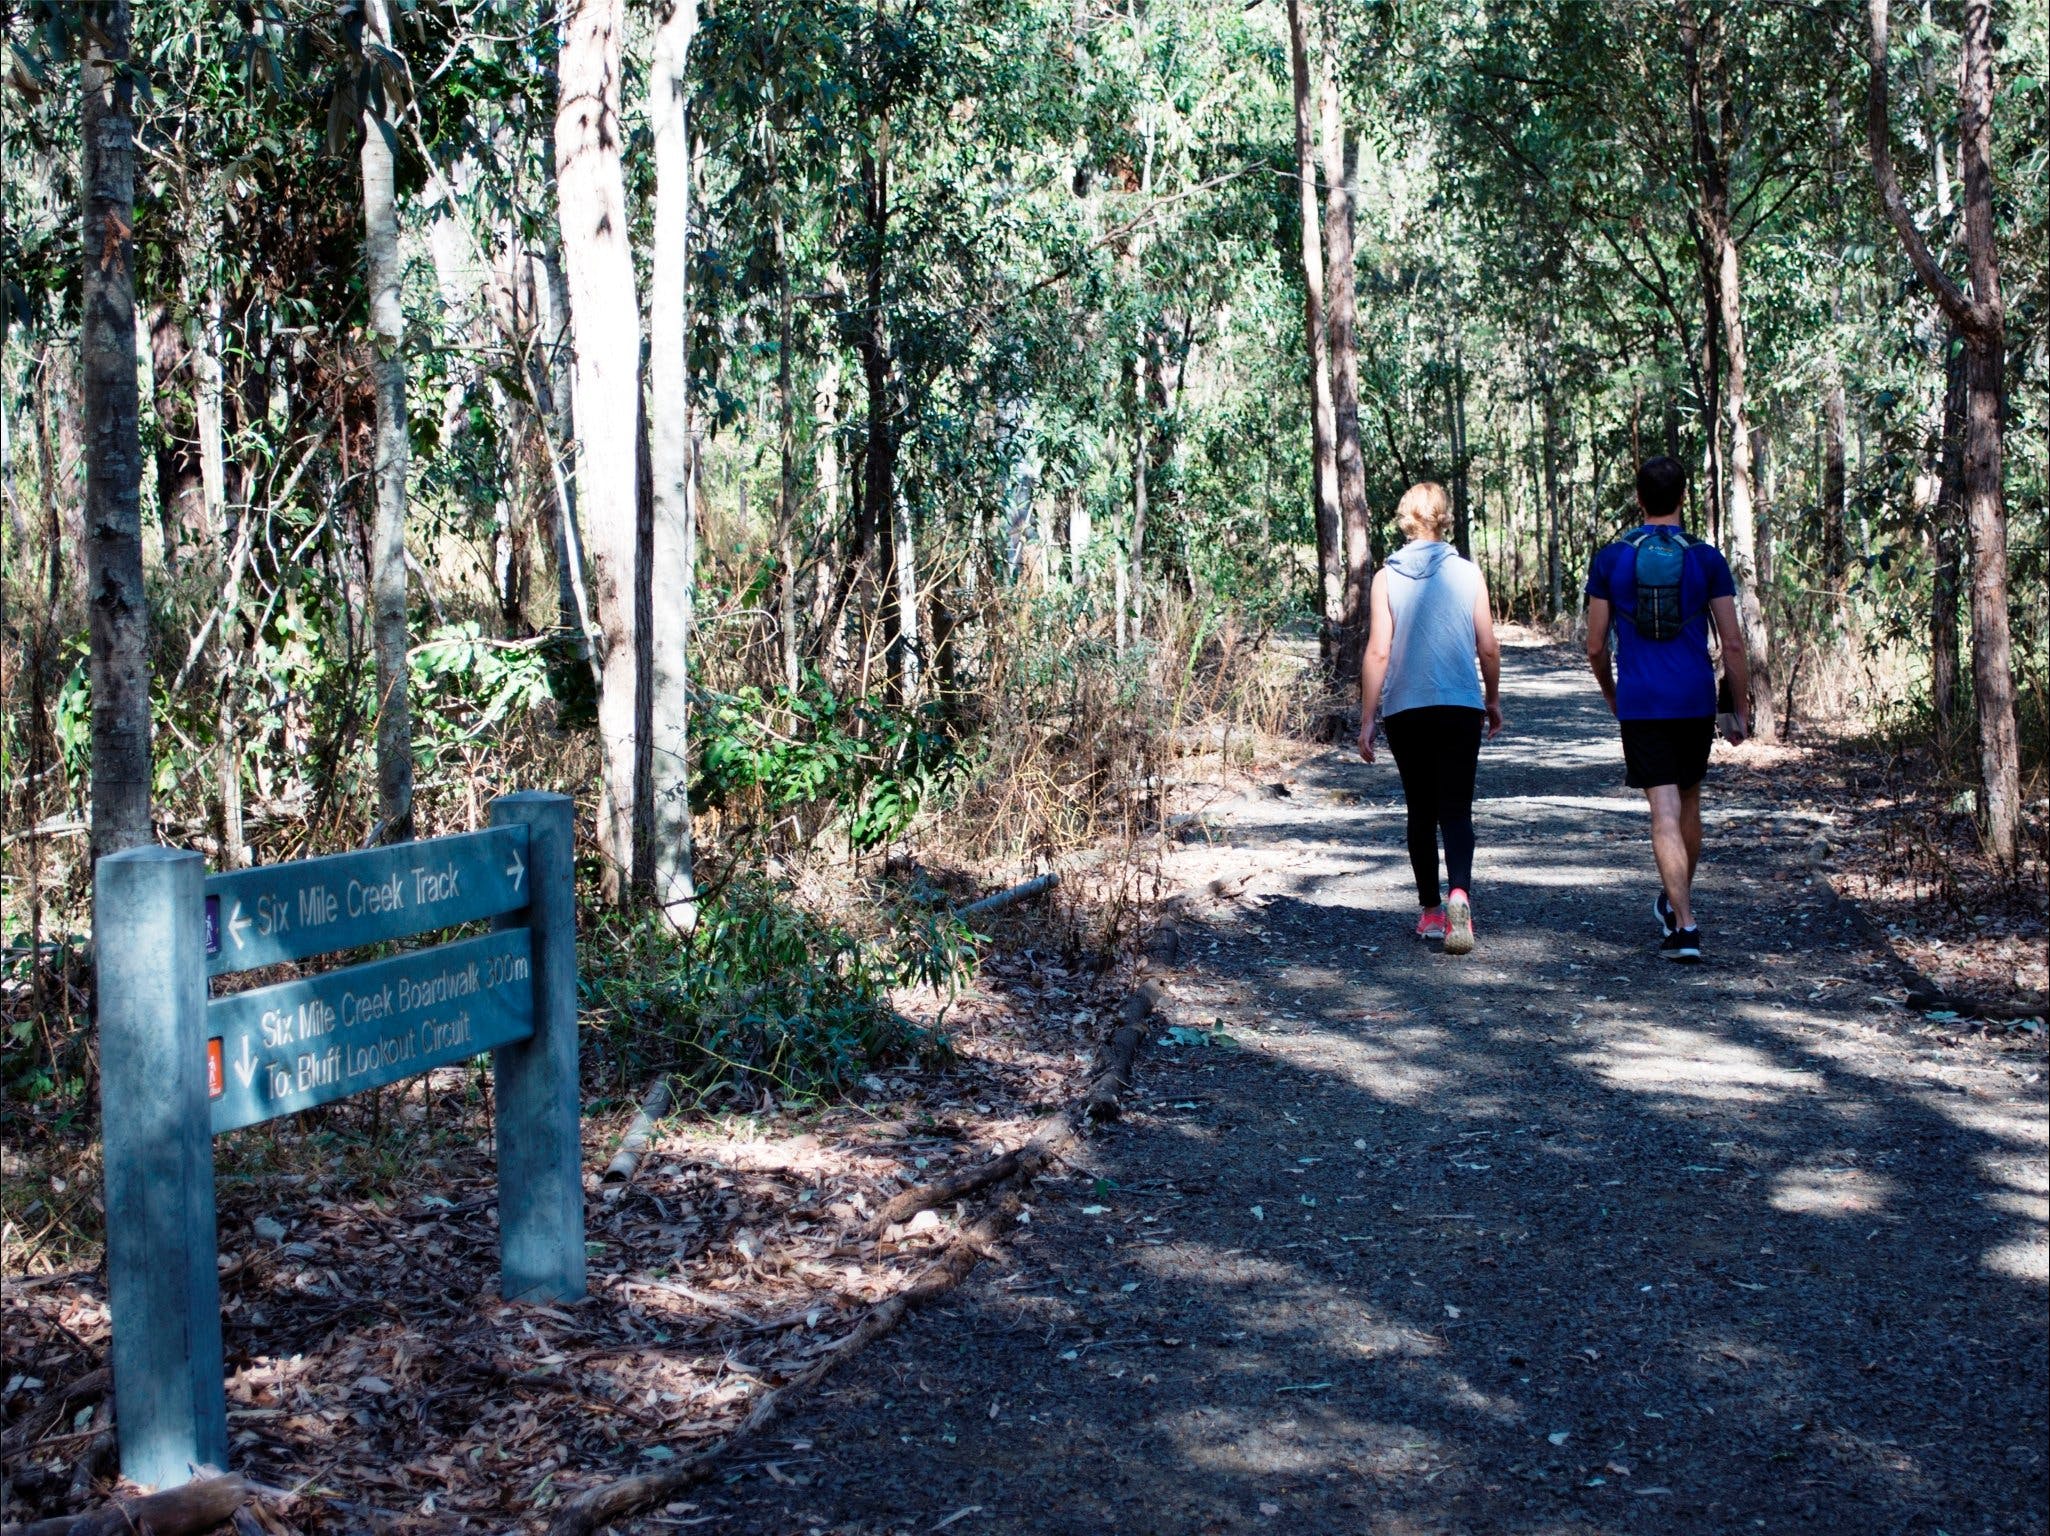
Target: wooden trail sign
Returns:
[[177, 1068]]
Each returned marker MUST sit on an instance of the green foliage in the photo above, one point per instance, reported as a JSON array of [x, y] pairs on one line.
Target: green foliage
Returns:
[[767, 993], [874, 764]]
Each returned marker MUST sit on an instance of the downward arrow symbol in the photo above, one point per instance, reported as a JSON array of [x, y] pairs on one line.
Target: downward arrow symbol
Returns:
[[237, 926], [245, 1064], [517, 870]]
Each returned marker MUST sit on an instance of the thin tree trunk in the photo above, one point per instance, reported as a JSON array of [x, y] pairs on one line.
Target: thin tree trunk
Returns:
[[1142, 405], [1461, 516], [208, 414], [1551, 457], [1835, 489], [1835, 486], [1340, 158], [1134, 578], [669, 450], [605, 324], [786, 464], [1323, 414], [181, 492], [1982, 318], [1711, 168], [393, 459], [1944, 517], [119, 609], [875, 540], [904, 562]]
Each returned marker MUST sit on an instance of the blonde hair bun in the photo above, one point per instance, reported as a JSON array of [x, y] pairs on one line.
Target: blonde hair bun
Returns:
[[1425, 511]]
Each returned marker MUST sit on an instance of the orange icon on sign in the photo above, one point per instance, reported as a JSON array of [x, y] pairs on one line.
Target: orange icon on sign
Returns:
[[216, 1075]]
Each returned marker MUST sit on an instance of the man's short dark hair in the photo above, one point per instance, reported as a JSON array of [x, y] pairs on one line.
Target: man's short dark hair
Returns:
[[1661, 482]]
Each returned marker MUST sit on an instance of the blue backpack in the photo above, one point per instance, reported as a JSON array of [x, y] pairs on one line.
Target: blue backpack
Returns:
[[1661, 562]]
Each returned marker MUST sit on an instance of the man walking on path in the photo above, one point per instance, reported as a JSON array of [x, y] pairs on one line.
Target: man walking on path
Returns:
[[1661, 585]]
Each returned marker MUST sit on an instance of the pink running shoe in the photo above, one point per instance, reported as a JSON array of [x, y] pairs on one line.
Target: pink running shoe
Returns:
[[1432, 925], [1458, 924]]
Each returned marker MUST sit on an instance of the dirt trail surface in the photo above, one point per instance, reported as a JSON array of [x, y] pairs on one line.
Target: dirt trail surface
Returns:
[[1557, 1236]]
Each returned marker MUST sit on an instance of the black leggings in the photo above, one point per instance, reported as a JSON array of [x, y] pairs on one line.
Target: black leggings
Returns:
[[1436, 748]]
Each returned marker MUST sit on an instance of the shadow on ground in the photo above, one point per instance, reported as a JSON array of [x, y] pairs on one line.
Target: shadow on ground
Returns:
[[1555, 1238]]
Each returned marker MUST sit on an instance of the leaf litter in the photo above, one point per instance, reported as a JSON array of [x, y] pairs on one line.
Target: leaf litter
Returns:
[[375, 1373]]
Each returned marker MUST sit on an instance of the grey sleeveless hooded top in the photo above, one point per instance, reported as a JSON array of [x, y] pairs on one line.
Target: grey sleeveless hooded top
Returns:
[[1431, 592]]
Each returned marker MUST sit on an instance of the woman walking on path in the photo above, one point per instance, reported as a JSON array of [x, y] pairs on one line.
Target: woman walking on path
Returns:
[[1431, 623]]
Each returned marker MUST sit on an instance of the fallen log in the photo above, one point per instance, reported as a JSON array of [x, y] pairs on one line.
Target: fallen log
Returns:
[[620, 1171], [1101, 1100], [1022, 891], [196, 1506], [1932, 999]]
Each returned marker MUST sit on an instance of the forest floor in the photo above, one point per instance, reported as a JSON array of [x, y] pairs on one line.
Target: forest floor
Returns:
[[1553, 1235], [1557, 1235]]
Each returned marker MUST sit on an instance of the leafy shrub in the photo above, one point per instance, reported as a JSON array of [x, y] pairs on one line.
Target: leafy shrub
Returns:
[[874, 764], [768, 993]]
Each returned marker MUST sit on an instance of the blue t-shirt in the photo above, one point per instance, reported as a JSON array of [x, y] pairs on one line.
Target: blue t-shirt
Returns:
[[1662, 679]]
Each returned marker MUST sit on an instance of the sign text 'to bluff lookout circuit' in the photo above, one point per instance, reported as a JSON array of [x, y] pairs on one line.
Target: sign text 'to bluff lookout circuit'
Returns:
[[178, 1068]]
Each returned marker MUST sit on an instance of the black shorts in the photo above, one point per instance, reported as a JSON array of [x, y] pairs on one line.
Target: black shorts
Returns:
[[1659, 752]]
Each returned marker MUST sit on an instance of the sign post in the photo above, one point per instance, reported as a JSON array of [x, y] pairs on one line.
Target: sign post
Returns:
[[162, 1284], [177, 1069], [538, 1109]]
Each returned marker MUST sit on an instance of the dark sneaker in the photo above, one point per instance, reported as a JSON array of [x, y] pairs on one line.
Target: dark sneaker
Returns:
[[1662, 909], [1684, 945], [1458, 924]]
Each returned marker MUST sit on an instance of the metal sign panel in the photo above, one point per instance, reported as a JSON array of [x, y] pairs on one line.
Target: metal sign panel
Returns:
[[314, 906], [307, 1042]]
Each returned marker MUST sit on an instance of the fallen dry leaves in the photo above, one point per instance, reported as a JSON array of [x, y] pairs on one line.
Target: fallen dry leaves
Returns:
[[376, 1376]]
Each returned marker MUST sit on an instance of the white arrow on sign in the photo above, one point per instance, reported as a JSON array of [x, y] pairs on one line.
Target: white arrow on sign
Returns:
[[517, 870], [245, 1064], [237, 926]]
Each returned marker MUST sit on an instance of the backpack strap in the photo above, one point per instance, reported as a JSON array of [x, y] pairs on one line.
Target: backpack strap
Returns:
[[1636, 536]]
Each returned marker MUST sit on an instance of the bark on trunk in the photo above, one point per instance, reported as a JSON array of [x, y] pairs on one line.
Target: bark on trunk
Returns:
[[1945, 518], [1701, 53], [670, 564], [1983, 319], [876, 518], [393, 460], [209, 414], [904, 567], [1461, 515], [786, 464], [605, 326], [1835, 487], [1551, 456], [1354, 519], [1323, 416], [119, 609], [181, 490]]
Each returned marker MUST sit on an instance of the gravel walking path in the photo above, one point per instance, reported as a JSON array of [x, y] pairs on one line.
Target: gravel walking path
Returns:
[[1555, 1237]]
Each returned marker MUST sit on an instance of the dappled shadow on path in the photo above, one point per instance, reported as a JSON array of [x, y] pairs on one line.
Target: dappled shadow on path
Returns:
[[1557, 1237]]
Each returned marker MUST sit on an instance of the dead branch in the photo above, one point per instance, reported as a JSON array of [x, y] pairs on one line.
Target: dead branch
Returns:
[[1004, 898], [1929, 998], [197, 1506], [620, 1171]]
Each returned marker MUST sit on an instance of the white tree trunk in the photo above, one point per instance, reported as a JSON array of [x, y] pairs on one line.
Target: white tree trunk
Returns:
[[669, 450], [605, 329], [213, 462], [907, 600]]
